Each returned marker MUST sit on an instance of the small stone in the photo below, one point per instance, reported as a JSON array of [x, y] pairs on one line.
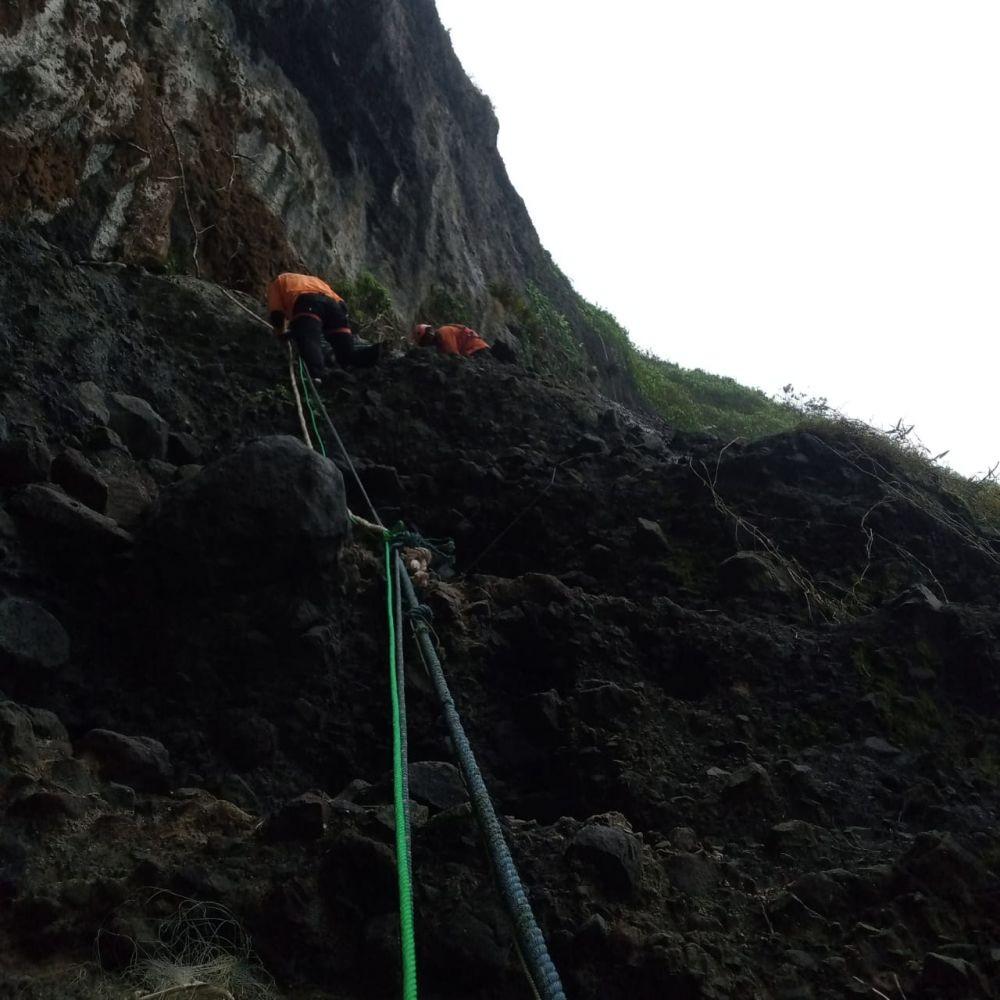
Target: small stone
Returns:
[[879, 747], [749, 778], [183, 449], [589, 444], [692, 874], [128, 500], [795, 833], [80, 479], [105, 439], [753, 573], [120, 796], [649, 533], [163, 472], [683, 838]]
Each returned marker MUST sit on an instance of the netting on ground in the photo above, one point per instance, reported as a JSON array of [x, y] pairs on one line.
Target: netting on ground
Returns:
[[173, 948]]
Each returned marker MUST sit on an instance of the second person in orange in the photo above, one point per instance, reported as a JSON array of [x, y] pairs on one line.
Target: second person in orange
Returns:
[[451, 339]]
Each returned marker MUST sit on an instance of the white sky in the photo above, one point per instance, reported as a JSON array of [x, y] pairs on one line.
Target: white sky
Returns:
[[802, 191]]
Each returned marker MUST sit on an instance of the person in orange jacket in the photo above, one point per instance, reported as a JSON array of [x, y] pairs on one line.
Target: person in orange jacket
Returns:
[[313, 310], [451, 339]]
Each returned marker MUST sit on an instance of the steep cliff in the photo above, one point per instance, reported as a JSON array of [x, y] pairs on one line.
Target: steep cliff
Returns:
[[237, 140]]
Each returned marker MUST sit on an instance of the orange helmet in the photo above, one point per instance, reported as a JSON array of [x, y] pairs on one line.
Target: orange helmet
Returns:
[[421, 333]]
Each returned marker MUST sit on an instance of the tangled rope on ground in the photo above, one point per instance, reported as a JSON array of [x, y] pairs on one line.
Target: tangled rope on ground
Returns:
[[187, 949]]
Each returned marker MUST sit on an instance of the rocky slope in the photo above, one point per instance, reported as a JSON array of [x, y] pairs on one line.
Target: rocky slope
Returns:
[[738, 705]]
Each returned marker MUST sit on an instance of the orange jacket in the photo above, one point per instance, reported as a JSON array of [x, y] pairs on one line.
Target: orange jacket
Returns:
[[286, 288], [454, 339]]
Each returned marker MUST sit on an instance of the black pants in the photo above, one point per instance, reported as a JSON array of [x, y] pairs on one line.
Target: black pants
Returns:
[[318, 316]]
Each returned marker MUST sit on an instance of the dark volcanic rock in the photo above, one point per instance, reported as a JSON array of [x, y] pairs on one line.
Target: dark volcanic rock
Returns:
[[613, 853], [23, 460], [303, 818], [17, 737], [138, 761], [80, 479], [183, 449], [142, 429], [65, 520], [437, 783], [273, 511], [93, 402], [31, 636]]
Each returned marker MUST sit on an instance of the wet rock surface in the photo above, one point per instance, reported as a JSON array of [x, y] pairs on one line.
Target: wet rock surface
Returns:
[[718, 782]]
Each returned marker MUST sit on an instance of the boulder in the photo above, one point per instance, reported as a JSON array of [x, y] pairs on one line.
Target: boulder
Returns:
[[138, 761], [30, 636], [273, 511], [142, 429], [613, 853], [74, 473]]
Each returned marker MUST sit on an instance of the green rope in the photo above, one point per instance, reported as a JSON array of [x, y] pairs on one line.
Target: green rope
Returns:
[[399, 799], [307, 387]]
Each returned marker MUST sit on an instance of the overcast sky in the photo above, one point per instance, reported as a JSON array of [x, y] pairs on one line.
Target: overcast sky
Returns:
[[801, 191]]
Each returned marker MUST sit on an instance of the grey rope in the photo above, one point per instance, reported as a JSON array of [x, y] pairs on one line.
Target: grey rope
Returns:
[[530, 941]]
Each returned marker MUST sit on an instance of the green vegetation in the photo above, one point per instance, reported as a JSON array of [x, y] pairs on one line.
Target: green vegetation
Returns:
[[445, 306], [695, 400], [546, 336], [370, 305]]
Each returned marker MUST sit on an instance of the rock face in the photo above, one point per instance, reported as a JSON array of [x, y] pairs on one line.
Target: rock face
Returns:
[[274, 110], [260, 137], [722, 775], [273, 511]]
